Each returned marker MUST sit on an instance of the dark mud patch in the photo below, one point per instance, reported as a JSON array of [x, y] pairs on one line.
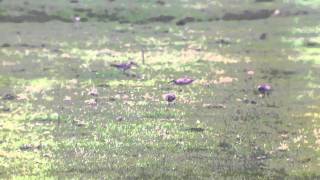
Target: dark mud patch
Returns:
[[262, 14], [4, 109], [248, 15], [5, 45], [296, 13], [106, 16], [195, 129], [161, 18], [162, 3], [279, 72], [311, 44], [223, 42], [261, 1], [245, 15], [9, 97], [263, 36], [224, 145], [74, 1], [186, 20], [81, 10], [33, 16], [23, 45]]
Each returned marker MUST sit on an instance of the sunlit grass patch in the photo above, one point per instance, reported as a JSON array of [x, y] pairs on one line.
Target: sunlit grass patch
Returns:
[[5, 81], [307, 46], [25, 132], [177, 56], [43, 117], [218, 125], [39, 85], [306, 30], [122, 140], [31, 89], [313, 3], [310, 56], [185, 56], [163, 113], [25, 163], [132, 83], [25, 148]]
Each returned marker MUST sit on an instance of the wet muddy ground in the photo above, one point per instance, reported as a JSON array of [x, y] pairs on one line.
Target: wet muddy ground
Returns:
[[53, 125]]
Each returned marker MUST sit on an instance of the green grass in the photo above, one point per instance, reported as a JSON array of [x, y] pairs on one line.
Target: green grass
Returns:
[[50, 131]]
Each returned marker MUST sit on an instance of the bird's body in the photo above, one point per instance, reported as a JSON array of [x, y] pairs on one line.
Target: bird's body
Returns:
[[124, 66], [182, 81], [170, 97], [264, 89]]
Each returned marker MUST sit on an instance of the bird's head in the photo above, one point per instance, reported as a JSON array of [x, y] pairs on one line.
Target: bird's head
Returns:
[[133, 63]]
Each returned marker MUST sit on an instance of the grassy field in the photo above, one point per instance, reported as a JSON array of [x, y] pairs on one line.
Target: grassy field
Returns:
[[219, 127]]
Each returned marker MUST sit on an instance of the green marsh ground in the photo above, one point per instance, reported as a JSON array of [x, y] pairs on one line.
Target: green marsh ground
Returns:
[[219, 126]]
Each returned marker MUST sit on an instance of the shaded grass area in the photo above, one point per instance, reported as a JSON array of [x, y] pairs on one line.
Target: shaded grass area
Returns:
[[141, 12], [50, 129]]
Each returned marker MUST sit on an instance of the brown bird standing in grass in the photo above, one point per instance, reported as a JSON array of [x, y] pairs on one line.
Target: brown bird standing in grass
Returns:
[[124, 66], [182, 81]]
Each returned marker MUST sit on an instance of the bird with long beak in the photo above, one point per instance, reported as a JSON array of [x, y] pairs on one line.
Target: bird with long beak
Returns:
[[124, 66], [182, 81]]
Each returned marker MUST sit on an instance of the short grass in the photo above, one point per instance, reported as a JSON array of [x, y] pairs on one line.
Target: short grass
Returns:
[[48, 129]]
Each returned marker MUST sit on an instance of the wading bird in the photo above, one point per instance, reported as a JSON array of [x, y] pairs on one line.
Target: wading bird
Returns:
[[124, 66], [182, 81]]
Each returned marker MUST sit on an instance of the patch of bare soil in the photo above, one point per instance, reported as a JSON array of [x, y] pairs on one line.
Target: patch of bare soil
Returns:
[[185, 20], [105, 16], [248, 15], [261, 14], [258, 1], [161, 18], [22, 45], [33, 16]]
